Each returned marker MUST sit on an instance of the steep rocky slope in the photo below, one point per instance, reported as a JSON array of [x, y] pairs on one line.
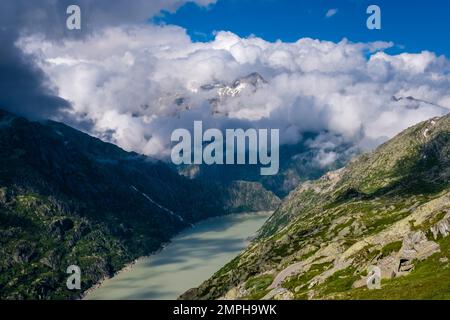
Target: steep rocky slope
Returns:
[[68, 198], [389, 208]]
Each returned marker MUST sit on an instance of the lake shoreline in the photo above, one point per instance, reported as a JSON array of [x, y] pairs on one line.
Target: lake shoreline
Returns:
[[131, 265]]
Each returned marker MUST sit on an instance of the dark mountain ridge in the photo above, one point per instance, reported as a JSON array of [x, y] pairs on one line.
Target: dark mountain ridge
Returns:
[[68, 198]]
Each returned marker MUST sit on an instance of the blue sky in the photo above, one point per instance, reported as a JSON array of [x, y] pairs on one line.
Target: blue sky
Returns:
[[412, 25]]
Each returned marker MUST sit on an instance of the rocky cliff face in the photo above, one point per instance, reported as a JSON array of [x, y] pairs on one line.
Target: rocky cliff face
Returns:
[[389, 209], [67, 198]]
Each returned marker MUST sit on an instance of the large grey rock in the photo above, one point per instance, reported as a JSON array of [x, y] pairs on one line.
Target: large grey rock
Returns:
[[417, 246], [442, 227], [388, 267]]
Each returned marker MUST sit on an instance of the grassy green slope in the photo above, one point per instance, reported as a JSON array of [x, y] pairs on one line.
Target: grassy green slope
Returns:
[[321, 241]]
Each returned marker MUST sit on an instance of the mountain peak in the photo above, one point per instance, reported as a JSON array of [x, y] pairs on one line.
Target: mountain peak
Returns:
[[253, 80]]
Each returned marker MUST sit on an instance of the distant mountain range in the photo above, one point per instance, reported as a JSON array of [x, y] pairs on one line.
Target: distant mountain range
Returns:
[[297, 161], [68, 198], [388, 209]]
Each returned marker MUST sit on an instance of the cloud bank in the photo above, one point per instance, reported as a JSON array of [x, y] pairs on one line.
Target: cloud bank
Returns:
[[132, 83], [136, 84], [24, 88]]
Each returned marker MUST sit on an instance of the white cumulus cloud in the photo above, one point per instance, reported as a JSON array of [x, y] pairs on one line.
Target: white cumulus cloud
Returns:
[[136, 84]]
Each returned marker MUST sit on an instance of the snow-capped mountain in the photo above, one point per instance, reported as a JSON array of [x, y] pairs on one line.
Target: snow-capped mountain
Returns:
[[221, 92], [251, 82], [215, 94]]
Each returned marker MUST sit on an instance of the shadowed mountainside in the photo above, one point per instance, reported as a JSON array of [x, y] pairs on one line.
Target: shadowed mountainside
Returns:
[[68, 198]]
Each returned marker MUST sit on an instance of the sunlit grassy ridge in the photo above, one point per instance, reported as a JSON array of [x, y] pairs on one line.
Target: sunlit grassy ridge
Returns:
[[321, 241]]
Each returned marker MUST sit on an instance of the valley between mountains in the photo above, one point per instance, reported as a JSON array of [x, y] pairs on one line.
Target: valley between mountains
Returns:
[[68, 198]]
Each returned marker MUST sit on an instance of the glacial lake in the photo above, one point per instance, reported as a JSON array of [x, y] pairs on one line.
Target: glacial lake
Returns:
[[192, 257]]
